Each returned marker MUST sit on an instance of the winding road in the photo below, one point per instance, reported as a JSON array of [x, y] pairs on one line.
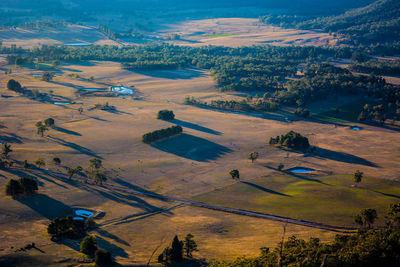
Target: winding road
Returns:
[[200, 204]]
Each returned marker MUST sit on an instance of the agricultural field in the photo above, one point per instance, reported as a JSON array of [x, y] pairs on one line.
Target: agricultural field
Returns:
[[191, 166]]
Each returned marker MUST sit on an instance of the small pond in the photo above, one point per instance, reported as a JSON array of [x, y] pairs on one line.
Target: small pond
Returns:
[[121, 90], [84, 213], [61, 103], [94, 89], [76, 218], [355, 128], [300, 170]]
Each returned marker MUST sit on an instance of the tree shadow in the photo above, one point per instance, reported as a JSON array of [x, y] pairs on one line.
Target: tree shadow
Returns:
[[176, 74], [137, 188], [192, 147], [74, 146], [111, 236], [46, 206], [340, 156], [114, 249], [265, 189], [195, 127], [387, 195], [97, 118], [66, 131], [11, 138]]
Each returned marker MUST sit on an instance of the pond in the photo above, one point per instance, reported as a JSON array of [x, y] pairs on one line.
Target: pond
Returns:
[[355, 128], [121, 90], [94, 89], [301, 170], [76, 218], [61, 103], [84, 213]]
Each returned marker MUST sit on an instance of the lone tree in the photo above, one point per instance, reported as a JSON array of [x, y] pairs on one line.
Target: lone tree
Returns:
[[49, 122], [41, 128], [47, 76], [166, 115], [103, 258], [94, 167], [358, 176], [80, 110], [13, 188], [189, 245], [72, 171], [88, 245], [100, 177], [25, 165], [13, 85], [253, 156], [5, 150], [176, 250], [40, 163], [57, 161], [234, 174], [281, 166], [366, 216]]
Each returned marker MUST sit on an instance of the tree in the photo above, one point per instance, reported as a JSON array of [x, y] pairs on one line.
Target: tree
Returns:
[[5, 150], [13, 188], [40, 162], [49, 122], [13, 85], [393, 215], [253, 156], [94, 167], [28, 185], [88, 245], [281, 166], [176, 249], [103, 258], [358, 176], [72, 171], [57, 161], [166, 115], [80, 110], [26, 164], [47, 76], [41, 128], [234, 174], [189, 245], [366, 216], [100, 177]]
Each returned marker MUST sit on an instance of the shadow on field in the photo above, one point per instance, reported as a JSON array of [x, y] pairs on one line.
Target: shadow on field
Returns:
[[10, 138], [66, 131], [114, 249], [265, 189], [191, 147], [195, 127], [340, 156], [46, 206], [137, 188], [111, 236], [74, 146], [177, 74], [387, 195]]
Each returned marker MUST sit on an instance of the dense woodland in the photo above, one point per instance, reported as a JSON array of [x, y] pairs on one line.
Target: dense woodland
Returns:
[[376, 26], [378, 67]]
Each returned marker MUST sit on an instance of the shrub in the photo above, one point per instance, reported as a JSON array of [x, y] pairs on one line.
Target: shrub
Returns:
[[166, 115], [49, 122], [163, 133], [88, 245]]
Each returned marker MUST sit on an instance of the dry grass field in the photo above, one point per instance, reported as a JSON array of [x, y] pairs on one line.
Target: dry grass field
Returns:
[[194, 164]]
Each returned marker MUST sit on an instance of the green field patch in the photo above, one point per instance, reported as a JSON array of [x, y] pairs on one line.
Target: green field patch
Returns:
[[330, 199], [344, 114], [220, 35]]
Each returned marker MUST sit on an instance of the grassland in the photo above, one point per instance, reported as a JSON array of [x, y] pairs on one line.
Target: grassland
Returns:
[[220, 35], [192, 165]]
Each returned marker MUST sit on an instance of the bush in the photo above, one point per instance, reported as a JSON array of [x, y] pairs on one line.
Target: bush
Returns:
[[290, 140], [166, 115], [49, 122], [88, 245], [67, 226], [103, 258], [13, 85], [25, 185], [163, 133]]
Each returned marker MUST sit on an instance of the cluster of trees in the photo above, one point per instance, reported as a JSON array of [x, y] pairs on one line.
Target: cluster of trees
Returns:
[[105, 106], [246, 105], [165, 115], [89, 247], [302, 112], [378, 67], [22, 186], [290, 140], [4, 157], [66, 227], [368, 247], [163, 133], [178, 249], [108, 31], [380, 113]]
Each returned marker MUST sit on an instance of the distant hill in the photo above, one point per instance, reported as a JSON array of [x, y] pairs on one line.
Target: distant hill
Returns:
[[376, 23]]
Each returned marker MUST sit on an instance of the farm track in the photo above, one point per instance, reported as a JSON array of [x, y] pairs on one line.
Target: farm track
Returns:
[[199, 204]]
